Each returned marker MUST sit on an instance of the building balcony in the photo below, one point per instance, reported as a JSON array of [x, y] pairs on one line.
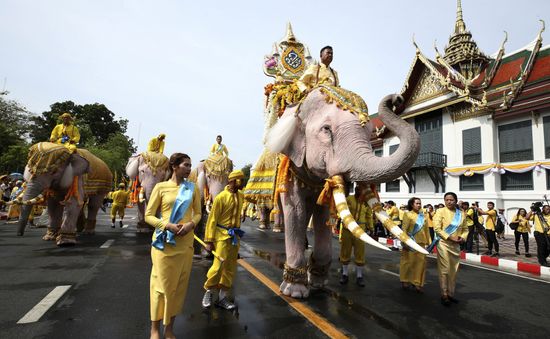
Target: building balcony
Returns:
[[430, 159]]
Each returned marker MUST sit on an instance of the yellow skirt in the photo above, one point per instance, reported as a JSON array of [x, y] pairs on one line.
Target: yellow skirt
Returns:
[[170, 277], [412, 267]]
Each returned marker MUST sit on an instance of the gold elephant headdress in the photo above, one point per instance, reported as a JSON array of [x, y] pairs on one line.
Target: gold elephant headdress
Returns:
[[346, 100]]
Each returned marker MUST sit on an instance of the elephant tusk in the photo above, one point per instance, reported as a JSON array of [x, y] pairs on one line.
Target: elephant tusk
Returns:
[[376, 206], [141, 195], [347, 218]]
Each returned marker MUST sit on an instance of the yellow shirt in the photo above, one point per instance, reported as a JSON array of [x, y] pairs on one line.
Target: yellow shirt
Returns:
[[219, 149], [318, 74], [393, 213], [409, 221], [430, 219], [156, 145], [225, 212], [491, 220], [361, 212], [61, 130], [120, 197], [538, 226], [443, 218], [524, 225], [163, 196]]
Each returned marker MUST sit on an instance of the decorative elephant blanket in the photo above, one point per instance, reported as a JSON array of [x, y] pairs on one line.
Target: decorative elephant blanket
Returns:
[[47, 157], [155, 161], [99, 178], [261, 185], [218, 165]]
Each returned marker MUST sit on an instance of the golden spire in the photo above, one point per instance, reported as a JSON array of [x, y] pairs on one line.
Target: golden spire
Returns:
[[460, 26], [289, 34], [462, 52]]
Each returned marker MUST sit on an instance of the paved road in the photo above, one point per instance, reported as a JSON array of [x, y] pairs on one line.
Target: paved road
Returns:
[[108, 297]]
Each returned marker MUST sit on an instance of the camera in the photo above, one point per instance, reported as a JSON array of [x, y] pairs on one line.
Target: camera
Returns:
[[536, 206]]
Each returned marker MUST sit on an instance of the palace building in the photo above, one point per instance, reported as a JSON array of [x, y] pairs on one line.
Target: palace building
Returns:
[[484, 124]]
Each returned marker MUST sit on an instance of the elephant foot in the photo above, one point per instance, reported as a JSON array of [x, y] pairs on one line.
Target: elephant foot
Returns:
[[317, 274], [317, 281], [295, 282], [50, 235], [66, 239], [294, 290], [278, 229], [88, 232]]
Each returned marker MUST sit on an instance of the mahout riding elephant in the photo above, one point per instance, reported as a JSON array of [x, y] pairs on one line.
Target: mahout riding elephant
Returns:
[[327, 140], [149, 168], [210, 184], [65, 179]]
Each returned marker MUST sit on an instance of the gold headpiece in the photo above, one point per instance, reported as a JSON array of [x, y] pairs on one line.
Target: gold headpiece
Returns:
[[346, 100]]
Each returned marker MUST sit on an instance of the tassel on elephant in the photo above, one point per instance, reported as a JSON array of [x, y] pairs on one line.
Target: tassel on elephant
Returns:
[[327, 139], [65, 180]]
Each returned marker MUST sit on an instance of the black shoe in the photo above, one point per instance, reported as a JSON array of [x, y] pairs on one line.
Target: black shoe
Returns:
[[517, 252], [445, 301], [527, 255], [120, 223], [487, 253], [113, 226], [344, 279], [453, 300], [495, 255], [360, 282]]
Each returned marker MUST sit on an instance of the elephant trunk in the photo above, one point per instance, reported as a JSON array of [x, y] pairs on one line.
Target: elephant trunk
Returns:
[[32, 191], [368, 167]]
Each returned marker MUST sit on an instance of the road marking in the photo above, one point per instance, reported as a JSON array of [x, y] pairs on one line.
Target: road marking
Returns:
[[107, 244], [44, 305], [320, 322], [125, 226], [389, 272]]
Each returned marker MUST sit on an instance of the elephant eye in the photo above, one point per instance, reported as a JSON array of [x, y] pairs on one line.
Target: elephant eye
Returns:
[[326, 129]]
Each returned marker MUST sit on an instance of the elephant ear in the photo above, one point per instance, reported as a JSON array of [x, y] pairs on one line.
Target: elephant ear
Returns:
[[79, 164], [287, 136]]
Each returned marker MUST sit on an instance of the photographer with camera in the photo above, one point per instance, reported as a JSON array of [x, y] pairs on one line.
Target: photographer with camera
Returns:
[[541, 220], [522, 228], [490, 224], [475, 226]]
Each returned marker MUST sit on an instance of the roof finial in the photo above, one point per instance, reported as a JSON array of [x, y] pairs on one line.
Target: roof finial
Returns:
[[460, 26], [289, 33]]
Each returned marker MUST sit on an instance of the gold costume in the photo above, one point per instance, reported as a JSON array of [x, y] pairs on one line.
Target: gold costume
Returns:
[[156, 145], [523, 224], [538, 225], [393, 213], [318, 74], [491, 219], [225, 212], [448, 252], [412, 267], [363, 216], [171, 266], [120, 200], [69, 131]]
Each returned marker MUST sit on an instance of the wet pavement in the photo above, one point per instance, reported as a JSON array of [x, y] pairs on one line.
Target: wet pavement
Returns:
[[109, 290]]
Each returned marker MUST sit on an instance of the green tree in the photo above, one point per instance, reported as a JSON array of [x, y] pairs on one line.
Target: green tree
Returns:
[[14, 130]]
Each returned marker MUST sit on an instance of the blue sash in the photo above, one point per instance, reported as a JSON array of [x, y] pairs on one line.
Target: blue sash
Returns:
[[418, 226], [234, 232], [453, 226], [182, 202]]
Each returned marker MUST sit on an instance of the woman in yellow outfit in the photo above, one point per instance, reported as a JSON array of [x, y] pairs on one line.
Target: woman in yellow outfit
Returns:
[[522, 231], [451, 230], [222, 233], [412, 268], [172, 251]]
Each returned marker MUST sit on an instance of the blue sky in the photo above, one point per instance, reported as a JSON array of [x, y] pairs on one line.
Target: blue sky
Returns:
[[193, 69]]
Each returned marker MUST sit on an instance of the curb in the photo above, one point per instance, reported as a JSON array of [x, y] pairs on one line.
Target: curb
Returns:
[[513, 265]]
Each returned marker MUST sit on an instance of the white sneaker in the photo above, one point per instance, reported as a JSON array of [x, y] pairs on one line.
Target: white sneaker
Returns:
[[226, 304], [207, 299]]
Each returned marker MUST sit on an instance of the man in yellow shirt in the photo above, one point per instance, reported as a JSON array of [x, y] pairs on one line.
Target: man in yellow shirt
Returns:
[[157, 144], [120, 200], [542, 232], [66, 133], [490, 224], [222, 233], [363, 216], [318, 74]]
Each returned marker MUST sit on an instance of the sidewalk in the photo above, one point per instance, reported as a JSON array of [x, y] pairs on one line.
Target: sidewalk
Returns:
[[507, 260]]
